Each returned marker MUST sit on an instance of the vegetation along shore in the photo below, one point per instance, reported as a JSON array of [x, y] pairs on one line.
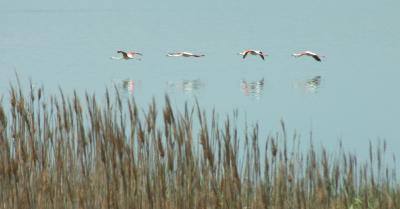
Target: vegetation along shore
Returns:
[[66, 151]]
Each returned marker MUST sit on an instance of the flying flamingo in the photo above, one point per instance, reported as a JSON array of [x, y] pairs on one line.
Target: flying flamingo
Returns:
[[308, 53], [253, 52], [184, 54], [127, 55]]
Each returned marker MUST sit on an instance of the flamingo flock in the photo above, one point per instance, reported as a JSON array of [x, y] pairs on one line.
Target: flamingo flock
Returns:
[[249, 88], [134, 55]]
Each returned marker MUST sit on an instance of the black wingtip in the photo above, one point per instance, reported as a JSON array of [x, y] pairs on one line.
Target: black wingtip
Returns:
[[317, 58]]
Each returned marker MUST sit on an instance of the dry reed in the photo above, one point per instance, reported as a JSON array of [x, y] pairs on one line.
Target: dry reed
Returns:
[[61, 152]]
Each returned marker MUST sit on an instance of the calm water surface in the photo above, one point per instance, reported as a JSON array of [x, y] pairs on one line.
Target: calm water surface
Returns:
[[68, 44]]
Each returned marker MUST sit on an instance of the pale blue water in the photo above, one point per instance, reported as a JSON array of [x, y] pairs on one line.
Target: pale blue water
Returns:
[[68, 44]]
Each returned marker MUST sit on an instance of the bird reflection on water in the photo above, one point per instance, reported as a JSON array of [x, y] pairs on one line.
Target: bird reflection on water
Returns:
[[314, 82], [252, 88], [311, 85], [126, 86], [186, 86]]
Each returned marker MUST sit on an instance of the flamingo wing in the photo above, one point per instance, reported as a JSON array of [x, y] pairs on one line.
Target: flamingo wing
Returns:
[[123, 53], [316, 57], [245, 54]]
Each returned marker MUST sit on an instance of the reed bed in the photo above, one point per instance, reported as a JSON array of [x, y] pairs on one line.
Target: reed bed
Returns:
[[63, 151]]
